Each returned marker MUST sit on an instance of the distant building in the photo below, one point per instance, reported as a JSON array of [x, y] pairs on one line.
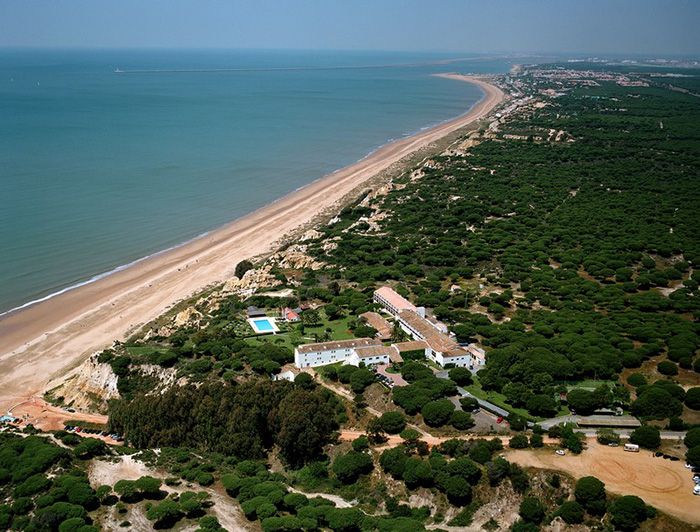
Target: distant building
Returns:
[[255, 312], [288, 375], [290, 315], [321, 354], [392, 301]]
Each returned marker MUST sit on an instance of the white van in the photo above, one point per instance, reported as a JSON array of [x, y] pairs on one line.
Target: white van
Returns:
[[632, 447]]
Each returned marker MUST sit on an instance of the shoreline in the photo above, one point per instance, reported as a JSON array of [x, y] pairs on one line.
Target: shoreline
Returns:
[[41, 341]]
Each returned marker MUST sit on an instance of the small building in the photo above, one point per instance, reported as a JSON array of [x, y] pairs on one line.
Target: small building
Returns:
[[370, 355], [288, 375], [289, 315], [255, 312], [321, 354], [416, 348], [383, 327]]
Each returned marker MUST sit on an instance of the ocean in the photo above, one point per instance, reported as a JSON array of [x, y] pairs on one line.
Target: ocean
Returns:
[[101, 168]]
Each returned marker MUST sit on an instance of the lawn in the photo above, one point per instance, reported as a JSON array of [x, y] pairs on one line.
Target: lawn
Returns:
[[589, 384], [498, 399]]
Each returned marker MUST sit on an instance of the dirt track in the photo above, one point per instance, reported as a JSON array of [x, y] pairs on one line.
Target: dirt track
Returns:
[[665, 485]]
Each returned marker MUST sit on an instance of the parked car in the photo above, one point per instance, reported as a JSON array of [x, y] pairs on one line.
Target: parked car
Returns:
[[688, 466], [560, 452], [696, 490], [499, 419]]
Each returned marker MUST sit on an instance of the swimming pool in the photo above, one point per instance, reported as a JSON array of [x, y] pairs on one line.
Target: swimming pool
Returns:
[[263, 325]]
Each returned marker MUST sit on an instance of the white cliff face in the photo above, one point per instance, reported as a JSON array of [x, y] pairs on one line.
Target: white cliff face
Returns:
[[92, 386]]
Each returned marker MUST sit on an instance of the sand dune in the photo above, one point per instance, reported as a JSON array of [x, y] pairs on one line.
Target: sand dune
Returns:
[[39, 344]]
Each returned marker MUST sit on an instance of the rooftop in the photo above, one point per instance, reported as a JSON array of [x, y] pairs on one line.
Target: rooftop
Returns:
[[415, 345], [374, 320], [394, 299], [437, 341], [340, 344], [375, 351]]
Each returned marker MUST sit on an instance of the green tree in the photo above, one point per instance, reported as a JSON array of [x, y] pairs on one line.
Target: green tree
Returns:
[[461, 420], [458, 490], [571, 512], [392, 422], [437, 413], [165, 513], [348, 467], [692, 437], [692, 398], [462, 376], [590, 493], [519, 441], [666, 367], [646, 436], [627, 512], [531, 510]]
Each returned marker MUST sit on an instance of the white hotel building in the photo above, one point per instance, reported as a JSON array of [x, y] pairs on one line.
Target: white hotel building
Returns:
[[441, 347], [369, 351]]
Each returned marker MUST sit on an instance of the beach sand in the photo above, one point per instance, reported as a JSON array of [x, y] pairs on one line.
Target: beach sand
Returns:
[[41, 343]]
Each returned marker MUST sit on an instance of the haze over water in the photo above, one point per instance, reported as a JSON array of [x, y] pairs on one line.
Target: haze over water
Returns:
[[98, 169]]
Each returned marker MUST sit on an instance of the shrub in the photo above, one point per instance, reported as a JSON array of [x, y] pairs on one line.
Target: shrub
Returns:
[[571, 512], [646, 436], [461, 376], [393, 461], [692, 456], [360, 444], [243, 267], [627, 512], [692, 437], [590, 493], [531, 510], [637, 380], [458, 490], [519, 441], [536, 440], [461, 420], [692, 398], [606, 436], [466, 468], [392, 422], [348, 467], [666, 367], [469, 404]]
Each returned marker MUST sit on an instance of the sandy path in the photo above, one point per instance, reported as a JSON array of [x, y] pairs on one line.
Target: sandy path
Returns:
[[41, 342], [665, 485]]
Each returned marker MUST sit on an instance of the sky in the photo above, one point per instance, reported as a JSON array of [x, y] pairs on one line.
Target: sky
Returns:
[[584, 26]]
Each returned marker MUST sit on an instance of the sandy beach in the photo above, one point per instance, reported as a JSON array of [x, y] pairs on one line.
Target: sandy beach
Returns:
[[40, 343]]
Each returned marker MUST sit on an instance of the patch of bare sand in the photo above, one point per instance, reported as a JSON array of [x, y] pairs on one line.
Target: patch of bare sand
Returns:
[[103, 472], [665, 485]]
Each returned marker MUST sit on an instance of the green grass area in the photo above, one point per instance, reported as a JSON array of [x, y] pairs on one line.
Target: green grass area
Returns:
[[338, 330], [590, 384], [498, 399], [145, 350]]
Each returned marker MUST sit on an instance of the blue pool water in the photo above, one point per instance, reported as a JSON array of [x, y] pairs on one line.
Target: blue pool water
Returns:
[[264, 325]]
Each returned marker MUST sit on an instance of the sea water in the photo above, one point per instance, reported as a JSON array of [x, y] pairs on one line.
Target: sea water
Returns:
[[101, 168]]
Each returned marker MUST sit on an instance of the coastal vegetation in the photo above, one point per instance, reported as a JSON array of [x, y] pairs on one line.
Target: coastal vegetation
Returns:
[[572, 262]]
